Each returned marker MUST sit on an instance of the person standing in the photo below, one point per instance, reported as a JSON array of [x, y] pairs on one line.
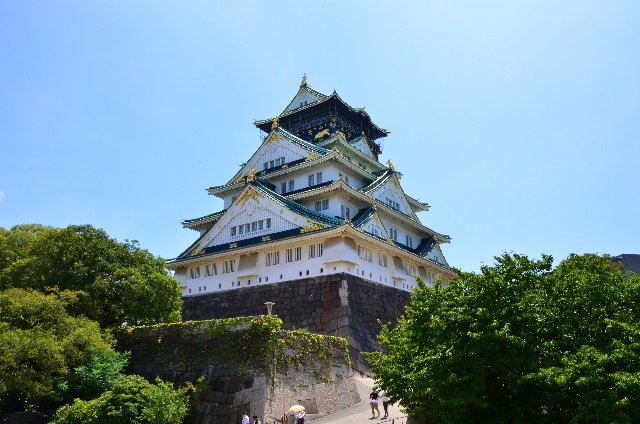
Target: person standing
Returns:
[[374, 404], [245, 418], [385, 403]]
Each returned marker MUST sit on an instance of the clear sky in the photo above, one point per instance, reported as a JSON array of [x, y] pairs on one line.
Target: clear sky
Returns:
[[517, 121]]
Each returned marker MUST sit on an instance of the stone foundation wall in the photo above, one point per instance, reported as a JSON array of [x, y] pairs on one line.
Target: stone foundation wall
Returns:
[[339, 305]]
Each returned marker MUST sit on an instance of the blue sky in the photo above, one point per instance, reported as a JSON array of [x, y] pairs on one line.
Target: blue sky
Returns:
[[517, 121]]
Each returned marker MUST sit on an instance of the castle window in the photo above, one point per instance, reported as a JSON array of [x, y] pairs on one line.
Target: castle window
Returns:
[[240, 229], [382, 260], [318, 206], [266, 166], [273, 258], [315, 250], [233, 231], [271, 164], [282, 160], [278, 162], [289, 256], [260, 225], [365, 254], [268, 223], [247, 228], [291, 185], [393, 233], [345, 212], [211, 270], [254, 226], [194, 272], [283, 188], [312, 179], [228, 266], [408, 240], [298, 255], [325, 204], [319, 178]]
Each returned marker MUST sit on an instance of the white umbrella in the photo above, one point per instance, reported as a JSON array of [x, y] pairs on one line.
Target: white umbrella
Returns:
[[296, 408]]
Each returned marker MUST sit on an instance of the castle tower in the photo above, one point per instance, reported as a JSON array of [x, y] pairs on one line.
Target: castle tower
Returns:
[[312, 203]]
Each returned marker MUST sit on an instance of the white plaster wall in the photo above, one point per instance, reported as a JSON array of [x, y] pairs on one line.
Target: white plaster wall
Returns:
[[339, 258]]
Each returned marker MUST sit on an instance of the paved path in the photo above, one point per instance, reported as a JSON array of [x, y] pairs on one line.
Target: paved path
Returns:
[[360, 413]]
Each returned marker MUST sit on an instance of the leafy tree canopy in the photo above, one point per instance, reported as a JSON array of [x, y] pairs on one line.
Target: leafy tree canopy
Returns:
[[39, 344], [116, 283], [131, 400], [519, 342]]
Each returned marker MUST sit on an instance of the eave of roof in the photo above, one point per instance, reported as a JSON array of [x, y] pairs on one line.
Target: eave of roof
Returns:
[[190, 223]]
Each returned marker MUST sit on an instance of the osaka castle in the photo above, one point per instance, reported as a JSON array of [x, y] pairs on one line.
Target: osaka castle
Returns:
[[312, 200]]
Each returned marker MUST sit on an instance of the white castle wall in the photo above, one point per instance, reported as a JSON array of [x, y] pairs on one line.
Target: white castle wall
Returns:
[[338, 256]]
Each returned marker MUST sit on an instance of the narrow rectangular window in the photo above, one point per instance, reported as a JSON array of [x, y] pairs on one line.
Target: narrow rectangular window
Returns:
[[266, 166], [319, 178], [232, 264], [291, 183], [311, 180], [240, 229], [282, 160], [325, 204], [268, 223], [277, 161], [318, 206], [298, 253], [289, 255], [283, 188], [260, 225], [312, 251], [247, 228], [233, 231], [254, 226], [271, 164], [347, 212]]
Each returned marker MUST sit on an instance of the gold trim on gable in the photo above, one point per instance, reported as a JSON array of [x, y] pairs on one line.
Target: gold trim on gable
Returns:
[[249, 194], [311, 226]]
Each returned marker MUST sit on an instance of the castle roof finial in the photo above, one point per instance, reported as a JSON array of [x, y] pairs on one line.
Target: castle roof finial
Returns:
[[390, 165], [303, 83], [276, 123]]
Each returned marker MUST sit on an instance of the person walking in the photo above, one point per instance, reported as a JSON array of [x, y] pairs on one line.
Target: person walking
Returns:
[[300, 417], [374, 404], [385, 403], [245, 418]]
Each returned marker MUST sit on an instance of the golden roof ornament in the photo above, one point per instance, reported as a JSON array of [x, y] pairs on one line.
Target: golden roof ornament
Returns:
[[252, 175], [390, 165], [276, 123], [304, 80]]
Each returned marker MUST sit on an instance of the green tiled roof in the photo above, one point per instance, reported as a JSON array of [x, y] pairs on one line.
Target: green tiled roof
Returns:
[[204, 218], [297, 207], [304, 144]]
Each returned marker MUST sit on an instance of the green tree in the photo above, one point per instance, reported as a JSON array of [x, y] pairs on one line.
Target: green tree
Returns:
[[131, 400], [116, 283], [519, 342], [39, 344]]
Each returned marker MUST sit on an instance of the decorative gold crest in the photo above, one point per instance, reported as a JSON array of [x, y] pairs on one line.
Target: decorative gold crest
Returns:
[[276, 123], [252, 175], [321, 134], [250, 193], [390, 165], [311, 226], [266, 238], [233, 245], [311, 156]]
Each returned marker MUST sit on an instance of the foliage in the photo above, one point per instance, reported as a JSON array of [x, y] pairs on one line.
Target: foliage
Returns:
[[39, 344], [115, 283], [131, 400], [96, 373], [519, 342]]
